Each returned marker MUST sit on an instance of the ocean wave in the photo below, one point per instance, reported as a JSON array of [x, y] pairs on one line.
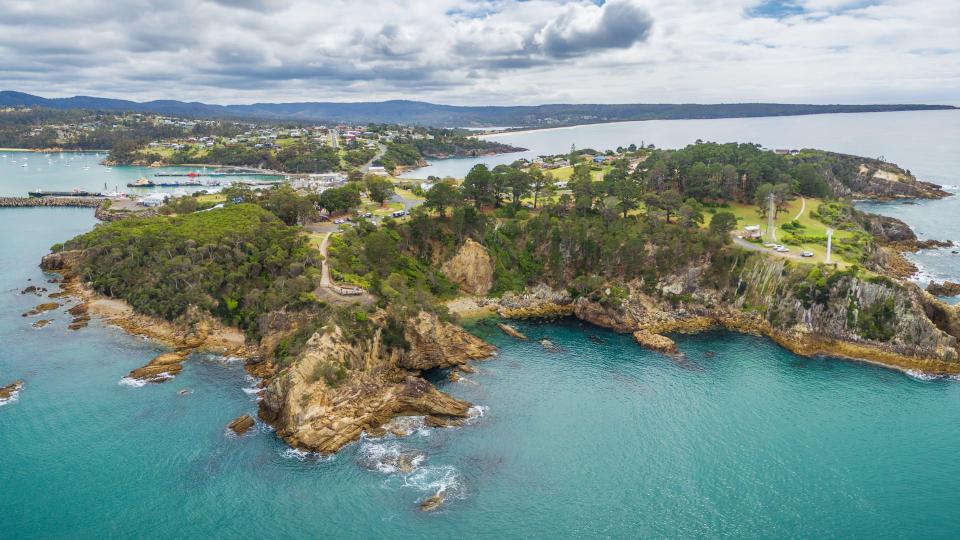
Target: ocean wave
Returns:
[[475, 413], [140, 383], [303, 455], [254, 389], [444, 480], [921, 376]]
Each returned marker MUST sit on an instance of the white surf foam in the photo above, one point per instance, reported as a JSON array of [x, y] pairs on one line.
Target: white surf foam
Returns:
[[440, 479], [254, 389], [475, 413], [920, 375], [303, 455], [138, 383], [388, 458], [409, 425]]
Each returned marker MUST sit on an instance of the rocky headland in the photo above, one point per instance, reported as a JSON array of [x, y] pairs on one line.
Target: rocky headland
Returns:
[[341, 386]]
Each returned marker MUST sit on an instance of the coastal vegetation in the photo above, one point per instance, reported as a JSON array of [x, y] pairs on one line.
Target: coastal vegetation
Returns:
[[238, 263]]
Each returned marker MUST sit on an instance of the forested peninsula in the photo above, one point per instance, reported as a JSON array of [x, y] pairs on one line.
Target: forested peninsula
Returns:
[[646, 242]]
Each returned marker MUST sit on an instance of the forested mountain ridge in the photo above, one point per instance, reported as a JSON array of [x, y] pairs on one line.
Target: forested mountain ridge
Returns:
[[422, 113]]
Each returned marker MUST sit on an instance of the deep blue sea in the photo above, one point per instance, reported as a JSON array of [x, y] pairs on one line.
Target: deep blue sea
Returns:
[[598, 439]]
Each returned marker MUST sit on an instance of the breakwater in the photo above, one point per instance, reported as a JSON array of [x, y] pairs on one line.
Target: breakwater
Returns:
[[25, 202]]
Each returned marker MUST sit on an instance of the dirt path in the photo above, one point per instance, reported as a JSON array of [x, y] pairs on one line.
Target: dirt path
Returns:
[[325, 280], [803, 208]]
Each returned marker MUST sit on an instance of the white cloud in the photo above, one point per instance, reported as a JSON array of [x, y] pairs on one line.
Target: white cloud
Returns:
[[485, 51]]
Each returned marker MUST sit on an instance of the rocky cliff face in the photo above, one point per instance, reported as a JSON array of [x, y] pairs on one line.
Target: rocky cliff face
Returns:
[[471, 268], [860, 177], [876, 320], [338, 389]]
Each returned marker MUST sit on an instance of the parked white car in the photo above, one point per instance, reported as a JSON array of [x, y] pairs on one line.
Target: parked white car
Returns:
[[807, 254]]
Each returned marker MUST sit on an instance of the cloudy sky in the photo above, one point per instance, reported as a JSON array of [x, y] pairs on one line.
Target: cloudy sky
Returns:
[[485, 51]]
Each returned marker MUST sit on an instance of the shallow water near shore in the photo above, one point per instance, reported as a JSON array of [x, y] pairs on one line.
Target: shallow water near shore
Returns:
[[600, 438]]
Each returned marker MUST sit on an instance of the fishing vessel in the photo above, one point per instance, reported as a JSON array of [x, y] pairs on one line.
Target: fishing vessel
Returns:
[[142, 182]]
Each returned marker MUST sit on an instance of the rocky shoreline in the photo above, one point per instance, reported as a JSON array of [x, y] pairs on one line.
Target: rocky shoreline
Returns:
[[195, 332], [648, 318]]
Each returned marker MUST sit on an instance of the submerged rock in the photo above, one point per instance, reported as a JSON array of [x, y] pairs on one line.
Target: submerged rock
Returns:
[[549, 345], [41, 323], [391, 460], [432, 503], [443, 421], [241, 424], [511, 331]]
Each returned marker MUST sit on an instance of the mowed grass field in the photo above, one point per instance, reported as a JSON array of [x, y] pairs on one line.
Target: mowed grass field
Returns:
[[748, 214]]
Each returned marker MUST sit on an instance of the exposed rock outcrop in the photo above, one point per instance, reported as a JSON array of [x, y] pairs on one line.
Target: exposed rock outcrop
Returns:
[[340, 388], [11, 390], [511, 331], [42, 308], [947, 288], [655, 342], [161, 368], [471, 268], [241, 424], [437, 344]]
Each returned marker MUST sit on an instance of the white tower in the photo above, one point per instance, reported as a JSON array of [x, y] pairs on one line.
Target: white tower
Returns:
[[829, 243], [771, 213]]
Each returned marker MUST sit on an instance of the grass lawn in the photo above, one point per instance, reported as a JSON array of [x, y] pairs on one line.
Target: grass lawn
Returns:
[[316, 239], [563, 174], [749, 215], [407, 194], [211, 197]]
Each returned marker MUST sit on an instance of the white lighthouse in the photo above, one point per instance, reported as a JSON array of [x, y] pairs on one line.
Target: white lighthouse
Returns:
[[829, 243]]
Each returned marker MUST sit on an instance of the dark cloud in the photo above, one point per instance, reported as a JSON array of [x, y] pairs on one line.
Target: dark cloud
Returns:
[[621, 24]]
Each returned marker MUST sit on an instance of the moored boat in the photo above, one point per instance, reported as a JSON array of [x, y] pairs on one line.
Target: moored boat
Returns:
[[142, 182]]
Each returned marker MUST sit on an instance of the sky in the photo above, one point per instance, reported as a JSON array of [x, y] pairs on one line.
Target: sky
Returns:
[[485, 52]]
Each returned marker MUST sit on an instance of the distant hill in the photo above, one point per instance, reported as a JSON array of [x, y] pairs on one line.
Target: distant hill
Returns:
[[422, 113]]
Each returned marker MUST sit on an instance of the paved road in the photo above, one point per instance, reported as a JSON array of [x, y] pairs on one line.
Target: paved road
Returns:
[[759, 247], [381, 149]]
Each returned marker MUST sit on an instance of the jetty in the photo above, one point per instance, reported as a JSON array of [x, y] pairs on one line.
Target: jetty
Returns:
[[27, 202], [196, 174], [76, 193]]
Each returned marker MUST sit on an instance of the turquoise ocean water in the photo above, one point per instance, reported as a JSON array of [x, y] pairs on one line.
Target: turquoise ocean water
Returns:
[[599, 439]]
